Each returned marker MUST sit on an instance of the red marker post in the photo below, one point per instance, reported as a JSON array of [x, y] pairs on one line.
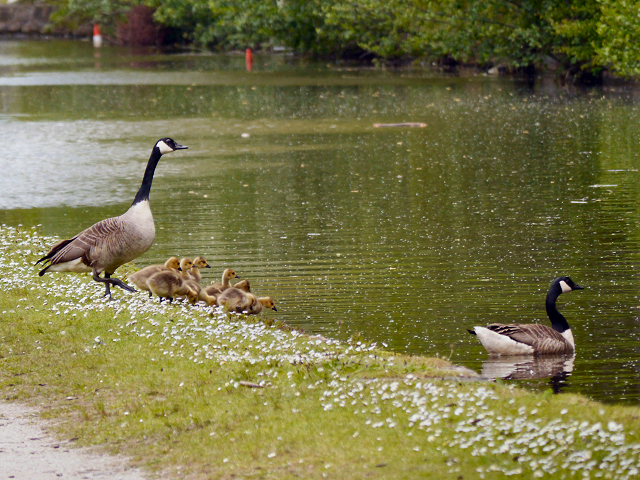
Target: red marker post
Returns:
[[249, 59], [97, 38]]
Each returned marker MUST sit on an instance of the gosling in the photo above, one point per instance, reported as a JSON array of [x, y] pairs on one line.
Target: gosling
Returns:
[[243, 285], [185, 267], [194, 286], [198, 263], [139, 278], [169, 284], [258, 303], [235, 300], [219, 287]]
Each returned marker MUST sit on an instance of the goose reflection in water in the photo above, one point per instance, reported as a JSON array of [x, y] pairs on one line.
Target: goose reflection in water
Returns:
[[555, 367]]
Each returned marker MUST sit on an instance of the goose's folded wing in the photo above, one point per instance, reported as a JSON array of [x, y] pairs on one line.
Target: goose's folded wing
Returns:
[[532, 334], [58, 246], [519, 333], [80, 246]]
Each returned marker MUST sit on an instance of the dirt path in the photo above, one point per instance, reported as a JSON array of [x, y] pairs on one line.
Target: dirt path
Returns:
[[27, 452]]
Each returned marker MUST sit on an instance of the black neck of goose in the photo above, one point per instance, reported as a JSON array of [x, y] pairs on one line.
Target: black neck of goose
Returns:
[[147, 179], [558, 322]]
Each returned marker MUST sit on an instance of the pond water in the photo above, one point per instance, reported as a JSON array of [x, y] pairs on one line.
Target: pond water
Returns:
[[407, 236]]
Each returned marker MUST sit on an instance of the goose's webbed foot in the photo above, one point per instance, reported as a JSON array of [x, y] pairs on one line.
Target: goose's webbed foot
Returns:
[[123, 285], [108, 281]]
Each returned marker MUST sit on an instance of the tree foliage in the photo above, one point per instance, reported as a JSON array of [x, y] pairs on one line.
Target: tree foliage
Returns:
[[619, 31], [108, 13], [578, 35]]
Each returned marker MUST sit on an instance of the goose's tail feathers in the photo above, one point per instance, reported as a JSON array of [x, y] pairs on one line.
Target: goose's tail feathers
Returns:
[[55, 249]]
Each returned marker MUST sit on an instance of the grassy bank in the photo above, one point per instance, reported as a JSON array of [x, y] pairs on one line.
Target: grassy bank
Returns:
[[189, 391]]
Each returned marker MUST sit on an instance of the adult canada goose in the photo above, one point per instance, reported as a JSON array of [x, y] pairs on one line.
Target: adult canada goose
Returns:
[[219, 287], [198, 263], [518, 339], [111, 242], [139, 278]]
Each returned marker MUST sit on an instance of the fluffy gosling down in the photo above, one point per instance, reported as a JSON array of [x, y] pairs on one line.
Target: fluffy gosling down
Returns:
[[139, 278], [175, 280], [191, 281], [218, 287], [519, 339], [243, 285], [198, 263], [112, 242], [170, 283], [239, 301]]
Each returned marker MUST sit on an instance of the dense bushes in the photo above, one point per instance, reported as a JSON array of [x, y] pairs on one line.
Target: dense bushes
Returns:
[[581, 36]]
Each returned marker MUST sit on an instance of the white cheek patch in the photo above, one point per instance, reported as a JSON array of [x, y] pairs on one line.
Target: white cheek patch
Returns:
[[164, 148], [565, 287]]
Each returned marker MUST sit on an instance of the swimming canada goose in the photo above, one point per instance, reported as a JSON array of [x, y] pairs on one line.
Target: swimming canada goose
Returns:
[[518, 339], [169, 284], [235, 300], [139, 278], [111, 242], [198, 263], [219, 287]]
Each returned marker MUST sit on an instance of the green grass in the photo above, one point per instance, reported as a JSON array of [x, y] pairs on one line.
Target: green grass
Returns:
[[162, 384]]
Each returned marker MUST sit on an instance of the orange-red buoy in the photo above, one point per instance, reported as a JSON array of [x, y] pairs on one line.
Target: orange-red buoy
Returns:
[[97, 38], [249, 59]]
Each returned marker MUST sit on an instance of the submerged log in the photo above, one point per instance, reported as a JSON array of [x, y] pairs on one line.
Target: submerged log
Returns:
[[405, 124]]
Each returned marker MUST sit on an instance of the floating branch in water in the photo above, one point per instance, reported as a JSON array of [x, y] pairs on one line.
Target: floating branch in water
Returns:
[[405, 124]]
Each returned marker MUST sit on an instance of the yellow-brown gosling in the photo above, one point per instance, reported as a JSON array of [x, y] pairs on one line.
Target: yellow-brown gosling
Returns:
[[139, 278], [210, 300], [198, 263], [219, 287], [112, 242], [258, 303], [170, 284], [185, 267], [243, 285], [235, 300], [194, 286]]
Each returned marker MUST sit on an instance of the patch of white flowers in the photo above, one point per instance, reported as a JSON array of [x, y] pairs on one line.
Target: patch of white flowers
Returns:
[[518, 441]]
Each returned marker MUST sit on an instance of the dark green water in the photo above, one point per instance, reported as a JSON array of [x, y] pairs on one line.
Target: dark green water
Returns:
[[407, 235]]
